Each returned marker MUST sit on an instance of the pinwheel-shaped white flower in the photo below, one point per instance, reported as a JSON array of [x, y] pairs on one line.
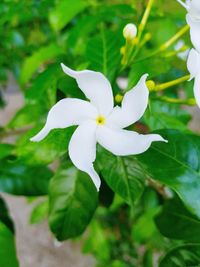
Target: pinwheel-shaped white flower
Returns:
[[193, 65], [98, 120], [193, 20]]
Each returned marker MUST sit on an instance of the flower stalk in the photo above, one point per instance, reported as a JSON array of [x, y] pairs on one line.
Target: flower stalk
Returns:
[[164, 86]]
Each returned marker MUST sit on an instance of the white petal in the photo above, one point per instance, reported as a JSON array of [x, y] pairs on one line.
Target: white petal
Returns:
[[67, 112], [194, 8], [183, 4], [133, 106], [82, 150], [95, 86], [194, 31], [197, 89], [122, 142], [193, 63]]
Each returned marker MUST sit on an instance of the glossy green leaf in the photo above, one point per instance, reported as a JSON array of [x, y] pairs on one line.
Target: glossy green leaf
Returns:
[[123, 174], [64, 12], [20, 179], [182, 256], [103, 53], [73, 201], [46, 151], [176, 222], [8, 257], [176, 164]]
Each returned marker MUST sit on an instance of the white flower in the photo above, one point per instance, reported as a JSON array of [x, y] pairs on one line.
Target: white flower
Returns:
[[130, 31], [99, 121], [193, 20], [193, 64]]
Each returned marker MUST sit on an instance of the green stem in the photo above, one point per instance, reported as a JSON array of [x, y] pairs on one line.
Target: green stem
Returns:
[[166, 85], [164, 46], [188, 102], [145, 18]]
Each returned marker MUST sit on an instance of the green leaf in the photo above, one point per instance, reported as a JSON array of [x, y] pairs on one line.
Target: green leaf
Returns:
[[5, 150], [46, 151], [73, 201], [186, 255], [39, 212], [176, 164], [19, 179], [176, 222], [27, 115], [103, 53], [153, 67], [44, 85], [39, 57], [64, 12], [123, 174], [4, 215], [166, 115], [8, 257]]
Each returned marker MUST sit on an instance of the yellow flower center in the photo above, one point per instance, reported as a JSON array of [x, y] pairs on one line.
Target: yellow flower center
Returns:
[[100, 120]]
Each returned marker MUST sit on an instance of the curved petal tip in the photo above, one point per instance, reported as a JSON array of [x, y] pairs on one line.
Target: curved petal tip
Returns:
[[68, 71]]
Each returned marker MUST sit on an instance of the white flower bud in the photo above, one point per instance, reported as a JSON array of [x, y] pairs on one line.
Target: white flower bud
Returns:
[[130, 31]]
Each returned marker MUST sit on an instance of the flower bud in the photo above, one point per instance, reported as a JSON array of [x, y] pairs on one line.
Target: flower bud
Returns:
[[122, 50], [130, 31], [118, 98], [150, 85]]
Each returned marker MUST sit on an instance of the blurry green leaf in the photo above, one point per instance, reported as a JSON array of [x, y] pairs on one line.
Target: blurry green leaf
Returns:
[[8, 257], [33, 62], [64, 12], [182, 256], [46, 151], [5, 150], [45, 84], [144, 229], [123, 174], [162, 115], [4, 215], [152, 66], [176, 222], [73, 201], [97, 242], [176, 164], [27, 115], [19, 179], [103, 53], [39, 212]]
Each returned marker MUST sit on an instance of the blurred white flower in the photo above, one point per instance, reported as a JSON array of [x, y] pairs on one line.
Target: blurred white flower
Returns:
[[99, 121], [182, 50], [130, 31], [193, 64], [193, 20]]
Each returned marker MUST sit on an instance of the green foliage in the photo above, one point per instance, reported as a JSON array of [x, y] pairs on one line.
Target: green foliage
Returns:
[[123, 174], [64, 12], [176, 222], [39, 212], [17, 178], [177, 169], [8, 257], [7, 252], [70, 192], [186, 255]]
